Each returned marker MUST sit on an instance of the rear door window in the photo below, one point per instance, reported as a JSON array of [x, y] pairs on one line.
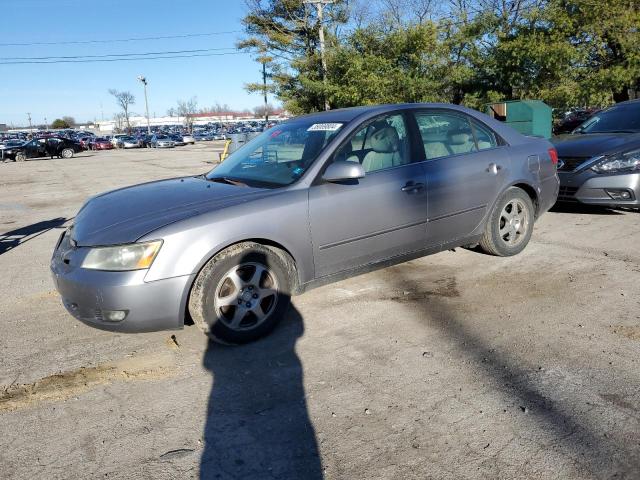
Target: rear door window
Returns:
[[485, 137], [444, 134]]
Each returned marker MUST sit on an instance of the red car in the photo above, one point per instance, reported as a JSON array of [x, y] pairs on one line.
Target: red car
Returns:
[[85, 142], [101, 144]]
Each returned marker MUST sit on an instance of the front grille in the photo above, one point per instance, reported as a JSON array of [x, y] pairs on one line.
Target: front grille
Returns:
[[567, 194], [569, 164]]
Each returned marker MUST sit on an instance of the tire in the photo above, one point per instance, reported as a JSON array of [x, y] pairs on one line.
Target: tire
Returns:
[[506, 234], [20, 157], [66, 153], [242, 293]]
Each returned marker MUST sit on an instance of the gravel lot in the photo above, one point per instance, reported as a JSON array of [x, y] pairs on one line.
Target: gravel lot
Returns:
[[455, 366]]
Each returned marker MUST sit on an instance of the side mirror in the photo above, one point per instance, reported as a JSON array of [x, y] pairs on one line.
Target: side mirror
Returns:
[[341, 170]]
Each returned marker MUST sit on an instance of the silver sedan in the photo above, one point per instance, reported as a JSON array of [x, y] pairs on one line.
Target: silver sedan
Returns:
[[310, 201]]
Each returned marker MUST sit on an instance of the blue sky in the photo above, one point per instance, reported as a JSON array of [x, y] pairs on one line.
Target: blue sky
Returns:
[[80, 89]]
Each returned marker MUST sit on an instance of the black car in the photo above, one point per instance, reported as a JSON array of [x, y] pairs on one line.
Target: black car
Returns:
[[43, 147], [572, 121], [599, 164]]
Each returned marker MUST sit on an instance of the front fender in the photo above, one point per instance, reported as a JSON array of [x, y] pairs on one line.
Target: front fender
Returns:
[[279, 219]]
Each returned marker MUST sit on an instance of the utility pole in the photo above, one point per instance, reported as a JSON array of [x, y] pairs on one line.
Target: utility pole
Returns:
[[46, 124], [146, 101], [30, 127], [320, 4], [264, 86]]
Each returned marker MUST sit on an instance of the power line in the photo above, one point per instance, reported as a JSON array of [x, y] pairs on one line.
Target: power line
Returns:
[[121, 59], [133, 39], [200, 50]]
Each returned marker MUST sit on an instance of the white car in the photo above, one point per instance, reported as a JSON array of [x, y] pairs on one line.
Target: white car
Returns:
[[188, 139], [162, 141], [130, 142], [116, 140]]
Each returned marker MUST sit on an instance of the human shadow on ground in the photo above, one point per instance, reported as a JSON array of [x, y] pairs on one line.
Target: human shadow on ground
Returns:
[[12, 239], [257, 422]]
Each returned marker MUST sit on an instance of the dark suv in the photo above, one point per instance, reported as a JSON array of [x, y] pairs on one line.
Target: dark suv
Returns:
[[43, 147]]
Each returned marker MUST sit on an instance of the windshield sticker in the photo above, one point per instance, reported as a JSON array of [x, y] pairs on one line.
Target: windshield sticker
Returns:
[[276, 133], [324, 127]]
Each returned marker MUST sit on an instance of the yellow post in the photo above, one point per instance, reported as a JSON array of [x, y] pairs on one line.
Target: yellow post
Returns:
[[225, 152]]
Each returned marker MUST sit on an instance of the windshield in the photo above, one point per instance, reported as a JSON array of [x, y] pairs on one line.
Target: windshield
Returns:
[[621, 118], [279, 156]]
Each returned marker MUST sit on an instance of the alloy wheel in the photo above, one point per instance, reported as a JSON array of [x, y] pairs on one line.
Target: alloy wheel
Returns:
[[246, 296], [514, 222]]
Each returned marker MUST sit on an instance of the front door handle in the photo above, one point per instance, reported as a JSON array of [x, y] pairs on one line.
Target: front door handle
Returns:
[[412, 187], [493, 168]]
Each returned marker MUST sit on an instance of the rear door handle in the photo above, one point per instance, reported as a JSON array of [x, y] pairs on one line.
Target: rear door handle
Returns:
[[412, 187], [493, 168]]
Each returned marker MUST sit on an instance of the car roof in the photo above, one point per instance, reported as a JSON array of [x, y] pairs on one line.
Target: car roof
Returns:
[[351, 113], [626, 103], [347, 115]]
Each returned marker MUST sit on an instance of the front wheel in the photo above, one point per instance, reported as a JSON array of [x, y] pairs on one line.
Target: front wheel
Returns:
[[242, 293], [21, 157], [510, 224], [67, 153]]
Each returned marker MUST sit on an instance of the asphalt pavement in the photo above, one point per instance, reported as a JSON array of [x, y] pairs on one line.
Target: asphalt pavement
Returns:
[[455, 366]]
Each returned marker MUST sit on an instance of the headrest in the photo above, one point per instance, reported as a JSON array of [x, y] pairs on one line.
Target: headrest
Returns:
[[459, 138], [385, 140]]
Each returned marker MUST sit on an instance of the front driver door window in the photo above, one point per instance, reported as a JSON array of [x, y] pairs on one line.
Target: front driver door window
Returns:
[[379, 216]]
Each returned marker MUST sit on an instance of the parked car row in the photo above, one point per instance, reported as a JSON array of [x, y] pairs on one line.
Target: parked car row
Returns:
[[19, 151]]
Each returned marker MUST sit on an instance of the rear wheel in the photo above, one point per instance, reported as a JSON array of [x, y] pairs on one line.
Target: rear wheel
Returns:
[[67, 153], [21, 157], [242, 293], [510, 224]]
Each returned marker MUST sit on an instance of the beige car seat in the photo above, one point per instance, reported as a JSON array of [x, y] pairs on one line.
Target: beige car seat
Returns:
[[461, 142], [385, 145]]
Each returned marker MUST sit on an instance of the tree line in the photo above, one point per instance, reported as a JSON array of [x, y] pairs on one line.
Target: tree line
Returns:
[[566, 52]]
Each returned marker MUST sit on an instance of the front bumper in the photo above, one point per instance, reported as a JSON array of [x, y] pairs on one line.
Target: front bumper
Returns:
[[591, 188], [89, 295]]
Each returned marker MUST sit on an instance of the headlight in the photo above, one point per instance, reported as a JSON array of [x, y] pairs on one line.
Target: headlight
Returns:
[[622, 162], [136, 256]]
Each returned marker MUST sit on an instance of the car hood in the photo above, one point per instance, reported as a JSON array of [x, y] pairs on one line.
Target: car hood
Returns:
[[592, 144], [125, 215]]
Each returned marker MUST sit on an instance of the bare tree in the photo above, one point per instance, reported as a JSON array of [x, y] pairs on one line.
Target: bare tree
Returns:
[[408, 12], [171, 112], [70, 121], [264, 110], [186, 109], [118, 120], [217, 108], [124, 100]]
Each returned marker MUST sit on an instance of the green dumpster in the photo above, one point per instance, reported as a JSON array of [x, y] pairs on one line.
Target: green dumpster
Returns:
[[529, 117]]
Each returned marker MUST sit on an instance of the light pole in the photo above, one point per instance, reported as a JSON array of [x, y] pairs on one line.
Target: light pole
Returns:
[[146, 101], [30, 127], [320, 4]]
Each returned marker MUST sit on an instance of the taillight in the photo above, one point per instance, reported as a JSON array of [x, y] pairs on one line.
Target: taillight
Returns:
[[553, 153]]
